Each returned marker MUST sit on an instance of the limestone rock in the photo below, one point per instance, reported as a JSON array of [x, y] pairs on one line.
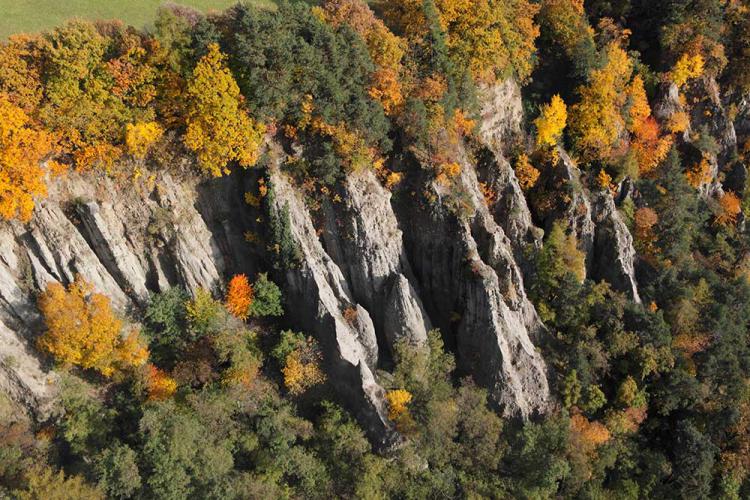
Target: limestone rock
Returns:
[[614, 255]]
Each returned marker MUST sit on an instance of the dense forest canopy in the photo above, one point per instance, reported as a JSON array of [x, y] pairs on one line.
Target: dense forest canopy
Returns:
[[206, 395]]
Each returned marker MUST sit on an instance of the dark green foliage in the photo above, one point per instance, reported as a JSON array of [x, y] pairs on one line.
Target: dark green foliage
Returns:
[[282, 243], [267, 298], [288, 342], [280, 57], [117, 471], [166, 324]]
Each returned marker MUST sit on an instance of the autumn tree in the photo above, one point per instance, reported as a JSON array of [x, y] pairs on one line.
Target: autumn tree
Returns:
[[648, 147], [20, 71], [239, 296], [488, 38], [79, 105], [398, 409], [596, 122], [300, 359], [22, 149], [565, 24], [139, 137], [82, 329], [159, 384], [526, 173], [219, 130], [386, 49], [729, 209], [686, 68], [551, 122]]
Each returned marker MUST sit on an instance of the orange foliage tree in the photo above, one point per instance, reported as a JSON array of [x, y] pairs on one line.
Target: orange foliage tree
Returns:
[[590, 434], [729, 209], [239, 296], [22, 148], [83, 330], [526, 173], [160, 386], [647, 145]]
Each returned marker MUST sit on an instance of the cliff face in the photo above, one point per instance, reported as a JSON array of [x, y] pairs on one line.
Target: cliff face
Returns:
[[374, 270], [128, 242]]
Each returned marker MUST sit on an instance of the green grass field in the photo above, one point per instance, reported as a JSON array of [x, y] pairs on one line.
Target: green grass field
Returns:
[[31, 16]]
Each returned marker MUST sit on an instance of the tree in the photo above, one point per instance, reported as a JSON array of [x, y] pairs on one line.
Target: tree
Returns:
[[160, 385], [267, 301], [139, 137], [219, 130], [596, 122], [117, 471], [489, 38], [44, 482], [386, 49], [83, 330], [398, 409], [22, 148], [564, 24], [20, 68], [551, 122], [729, 209], [648, 147], [239, 297], [302, 368], [526, 173]]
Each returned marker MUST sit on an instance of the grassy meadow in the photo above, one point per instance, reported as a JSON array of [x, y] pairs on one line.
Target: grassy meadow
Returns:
[[31, 16]]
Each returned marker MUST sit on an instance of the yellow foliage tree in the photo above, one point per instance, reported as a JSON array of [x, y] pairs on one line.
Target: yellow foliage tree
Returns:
[[22, 149], [604, 180], [597, 124], [551, 122], [302, 368], [139, 137], [699, 174], [83, 330], [686, 68], [398, 409], [219, 130], [20, 63], [239, 296], [526, 173], [488, 37]]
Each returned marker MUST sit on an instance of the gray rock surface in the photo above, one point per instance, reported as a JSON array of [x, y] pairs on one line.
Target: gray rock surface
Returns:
[[614, 255], [128, 243], [474, 291], [319, 294]]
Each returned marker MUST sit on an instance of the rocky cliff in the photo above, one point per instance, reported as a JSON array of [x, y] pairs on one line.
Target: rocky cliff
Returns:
[[374, 269]]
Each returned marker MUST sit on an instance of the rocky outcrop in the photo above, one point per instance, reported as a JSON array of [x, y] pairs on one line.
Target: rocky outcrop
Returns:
[[614, 255], [374, 260], [576, 211], [128, 243], [320, 295], [501, 111], [473, 289]]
